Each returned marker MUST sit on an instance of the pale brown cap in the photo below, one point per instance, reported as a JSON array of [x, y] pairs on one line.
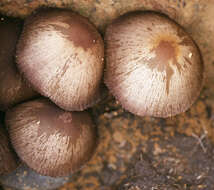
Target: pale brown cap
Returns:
[[153, 68], [61, 54], [49, 140]]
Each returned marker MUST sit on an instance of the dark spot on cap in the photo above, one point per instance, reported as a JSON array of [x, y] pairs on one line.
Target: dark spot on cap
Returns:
[[149, 29], [70, 25], [164, 53], [185, 66], [76, 29], [187, 60]]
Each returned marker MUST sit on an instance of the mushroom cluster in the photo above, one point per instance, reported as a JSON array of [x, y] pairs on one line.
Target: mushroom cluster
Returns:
[[60, 55], [153, 67]]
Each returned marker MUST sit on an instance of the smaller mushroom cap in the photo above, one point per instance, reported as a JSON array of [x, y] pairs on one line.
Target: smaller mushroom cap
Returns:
[[49, 140]]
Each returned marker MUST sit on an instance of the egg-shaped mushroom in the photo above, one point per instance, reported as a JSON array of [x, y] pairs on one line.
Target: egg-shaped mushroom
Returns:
[[49, 140], [153, 67], [13, 88], [8, 159], [61, 54]]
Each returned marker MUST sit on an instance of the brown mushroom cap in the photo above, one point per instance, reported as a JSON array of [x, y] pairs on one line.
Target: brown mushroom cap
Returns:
[[49, 140], [61, 54], [153, 67], [8, 160], [13, 88]]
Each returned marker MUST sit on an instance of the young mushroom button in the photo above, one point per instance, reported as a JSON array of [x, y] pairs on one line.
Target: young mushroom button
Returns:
[[153, 67]]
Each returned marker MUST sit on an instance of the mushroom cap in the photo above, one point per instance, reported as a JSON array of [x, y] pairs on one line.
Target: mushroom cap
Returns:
[[8, 160], [61, 54], [49, 140], [153, 67], [25, 178], [13, 89]]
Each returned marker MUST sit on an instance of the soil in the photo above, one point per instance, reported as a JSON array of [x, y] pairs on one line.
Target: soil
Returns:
[[180, 162]]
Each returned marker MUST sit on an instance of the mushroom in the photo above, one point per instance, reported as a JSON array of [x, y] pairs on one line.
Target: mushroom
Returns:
[[49, 140], [154, 68], [8, 160], [13, 89], [61, 54], [25, 178]]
